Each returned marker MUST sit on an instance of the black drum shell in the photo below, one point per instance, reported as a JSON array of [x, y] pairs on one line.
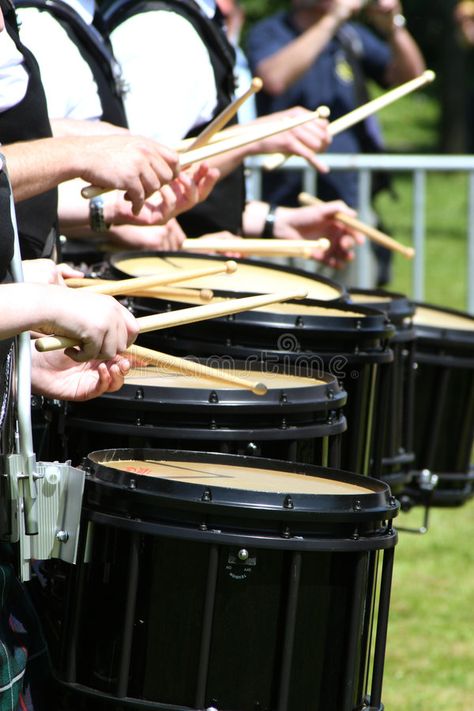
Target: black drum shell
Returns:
[[444, 408], [301, 421], [273, 598], [393, 454], [352, 348]]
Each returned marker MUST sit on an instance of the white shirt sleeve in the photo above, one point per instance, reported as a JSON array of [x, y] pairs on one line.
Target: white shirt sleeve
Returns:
[[70, 88], [13, 75], [171, 85]]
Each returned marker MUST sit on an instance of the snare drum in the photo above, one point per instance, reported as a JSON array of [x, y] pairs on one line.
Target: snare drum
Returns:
[[444, 405], [312, 337], [215, 581], [393, 446], [298, 419], [251, 277]]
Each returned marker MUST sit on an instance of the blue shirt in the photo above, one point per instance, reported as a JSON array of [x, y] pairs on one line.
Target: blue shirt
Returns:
[[330, 81]]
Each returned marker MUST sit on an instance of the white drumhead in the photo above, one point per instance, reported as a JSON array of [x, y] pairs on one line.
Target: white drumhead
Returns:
[[370, 299], [429, 316], [153, 376], [235, 477], [248, 277]]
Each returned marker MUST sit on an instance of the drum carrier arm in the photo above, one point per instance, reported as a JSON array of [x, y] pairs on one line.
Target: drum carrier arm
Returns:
[[44, 499]]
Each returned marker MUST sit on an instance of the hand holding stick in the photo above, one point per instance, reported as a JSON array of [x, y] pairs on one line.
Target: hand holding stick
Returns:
[[189, 367], [371, 232], [362, 112], [255, 133], [181, 317]]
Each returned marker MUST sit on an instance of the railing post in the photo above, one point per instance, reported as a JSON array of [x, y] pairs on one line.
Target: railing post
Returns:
[[470, 244], [419, 234], [363, 262]]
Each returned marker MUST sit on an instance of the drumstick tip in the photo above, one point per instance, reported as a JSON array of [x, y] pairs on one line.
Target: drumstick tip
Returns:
[[302, 294], [206, 294], [231, 266], [410, 252], [323, 112], [429, 75], [256, 84], [260, 389]]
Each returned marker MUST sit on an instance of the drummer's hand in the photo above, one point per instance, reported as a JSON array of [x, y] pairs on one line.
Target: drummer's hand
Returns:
[[167, 237], [306, 140], [45, 271], [104, 327], [136, 164], [319, 221], [54, 375], [191, 187]]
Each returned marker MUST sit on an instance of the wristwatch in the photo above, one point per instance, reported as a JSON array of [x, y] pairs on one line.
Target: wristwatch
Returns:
[[269, 226], [399, 21], [96, 215]]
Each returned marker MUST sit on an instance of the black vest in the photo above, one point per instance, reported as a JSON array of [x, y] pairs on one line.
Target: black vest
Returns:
[[26, 121], [225, 205], [95, 49]]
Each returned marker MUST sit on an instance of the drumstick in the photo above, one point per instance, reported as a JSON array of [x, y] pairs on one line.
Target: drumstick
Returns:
[[126, 286], [181, 317], [256, 132], [158, 291], [225, 116], [362, 112], [274, 247], [189, 367], [371, 232]]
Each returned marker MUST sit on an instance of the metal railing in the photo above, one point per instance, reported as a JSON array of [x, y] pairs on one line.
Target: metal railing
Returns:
[[419, 166]]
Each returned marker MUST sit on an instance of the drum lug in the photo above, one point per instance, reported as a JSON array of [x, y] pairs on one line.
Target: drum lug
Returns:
[[207, 495], [288, 503]]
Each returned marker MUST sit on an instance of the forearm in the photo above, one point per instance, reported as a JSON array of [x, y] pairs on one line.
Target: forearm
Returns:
[[51, 162], [407, 62], [283, 68], [33, 307], [253, 219]]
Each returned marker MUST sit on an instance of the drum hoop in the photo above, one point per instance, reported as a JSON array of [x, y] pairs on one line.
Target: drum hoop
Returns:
[[399, 305], [197, 494], [292, 432], [316, 397], [119, 256], [442, 333], [374, 323], [380, 540]]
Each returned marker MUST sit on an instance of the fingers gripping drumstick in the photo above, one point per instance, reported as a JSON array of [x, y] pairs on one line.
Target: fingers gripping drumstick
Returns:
[[183, 316], [362, 112]]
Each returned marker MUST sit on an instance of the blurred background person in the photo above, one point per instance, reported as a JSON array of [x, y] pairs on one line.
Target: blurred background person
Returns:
[[314, 53]]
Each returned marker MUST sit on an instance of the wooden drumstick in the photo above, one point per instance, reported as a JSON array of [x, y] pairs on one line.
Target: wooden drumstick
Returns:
[[256, 132], [362, 112], [225, 116], [371, 232], [189, 367], [273, 247], [127, 286], [181, 317], [151, 291]]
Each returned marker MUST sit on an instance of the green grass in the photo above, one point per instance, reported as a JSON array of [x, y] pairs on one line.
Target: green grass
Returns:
[[430, 649], [410, 126]]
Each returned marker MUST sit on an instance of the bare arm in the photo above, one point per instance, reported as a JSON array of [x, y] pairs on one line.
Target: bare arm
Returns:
[[407, 61], [138, 165], [283, 68]]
